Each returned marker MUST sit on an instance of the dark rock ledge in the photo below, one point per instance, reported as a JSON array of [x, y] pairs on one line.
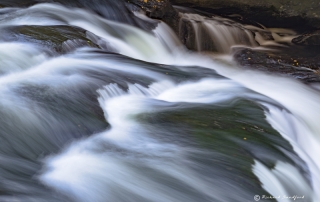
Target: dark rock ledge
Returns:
[[271, 13], [299, 62]]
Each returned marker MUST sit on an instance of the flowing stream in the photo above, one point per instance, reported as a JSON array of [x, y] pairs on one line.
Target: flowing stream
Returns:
[[137, 117]]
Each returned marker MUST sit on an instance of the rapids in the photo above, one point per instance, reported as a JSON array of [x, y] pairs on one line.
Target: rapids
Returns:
[[140, 118]]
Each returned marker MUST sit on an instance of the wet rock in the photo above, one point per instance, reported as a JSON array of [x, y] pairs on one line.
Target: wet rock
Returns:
[[295, 61], [309, 39], [237, 129], [17, 3], [271, 13], [159, 9], [57, 38]]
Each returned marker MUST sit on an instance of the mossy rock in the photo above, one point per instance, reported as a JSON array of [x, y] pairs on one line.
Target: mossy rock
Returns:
[[235, 132], [58, 38], [224, 127]]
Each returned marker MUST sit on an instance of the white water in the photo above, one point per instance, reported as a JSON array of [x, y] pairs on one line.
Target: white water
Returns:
[[109, 168], [124, 163]]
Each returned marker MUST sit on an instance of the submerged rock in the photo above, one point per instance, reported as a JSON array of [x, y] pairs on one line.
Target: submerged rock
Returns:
[[57, 38], [237, 133]]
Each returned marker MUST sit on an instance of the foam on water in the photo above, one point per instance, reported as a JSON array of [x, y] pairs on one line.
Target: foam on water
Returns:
[[24, 57]]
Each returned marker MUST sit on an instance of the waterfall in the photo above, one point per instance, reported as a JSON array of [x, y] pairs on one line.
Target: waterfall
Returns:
[[218, 32], [126, 114]]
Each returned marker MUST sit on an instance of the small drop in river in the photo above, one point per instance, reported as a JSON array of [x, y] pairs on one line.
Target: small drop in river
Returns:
[[133, 101]]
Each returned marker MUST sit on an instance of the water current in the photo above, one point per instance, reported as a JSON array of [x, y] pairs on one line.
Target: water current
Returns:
[[138, 117]]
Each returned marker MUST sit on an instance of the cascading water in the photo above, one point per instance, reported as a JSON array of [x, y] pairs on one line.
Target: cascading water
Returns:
[[222, 33], [136, 117]]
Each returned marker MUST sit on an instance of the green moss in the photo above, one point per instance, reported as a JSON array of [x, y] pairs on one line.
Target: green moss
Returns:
[[56, 34], [239, 121], [235, 132], [50, 36]]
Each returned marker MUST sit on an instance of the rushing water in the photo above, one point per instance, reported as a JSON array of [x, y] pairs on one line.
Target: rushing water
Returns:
[[142, 119]]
